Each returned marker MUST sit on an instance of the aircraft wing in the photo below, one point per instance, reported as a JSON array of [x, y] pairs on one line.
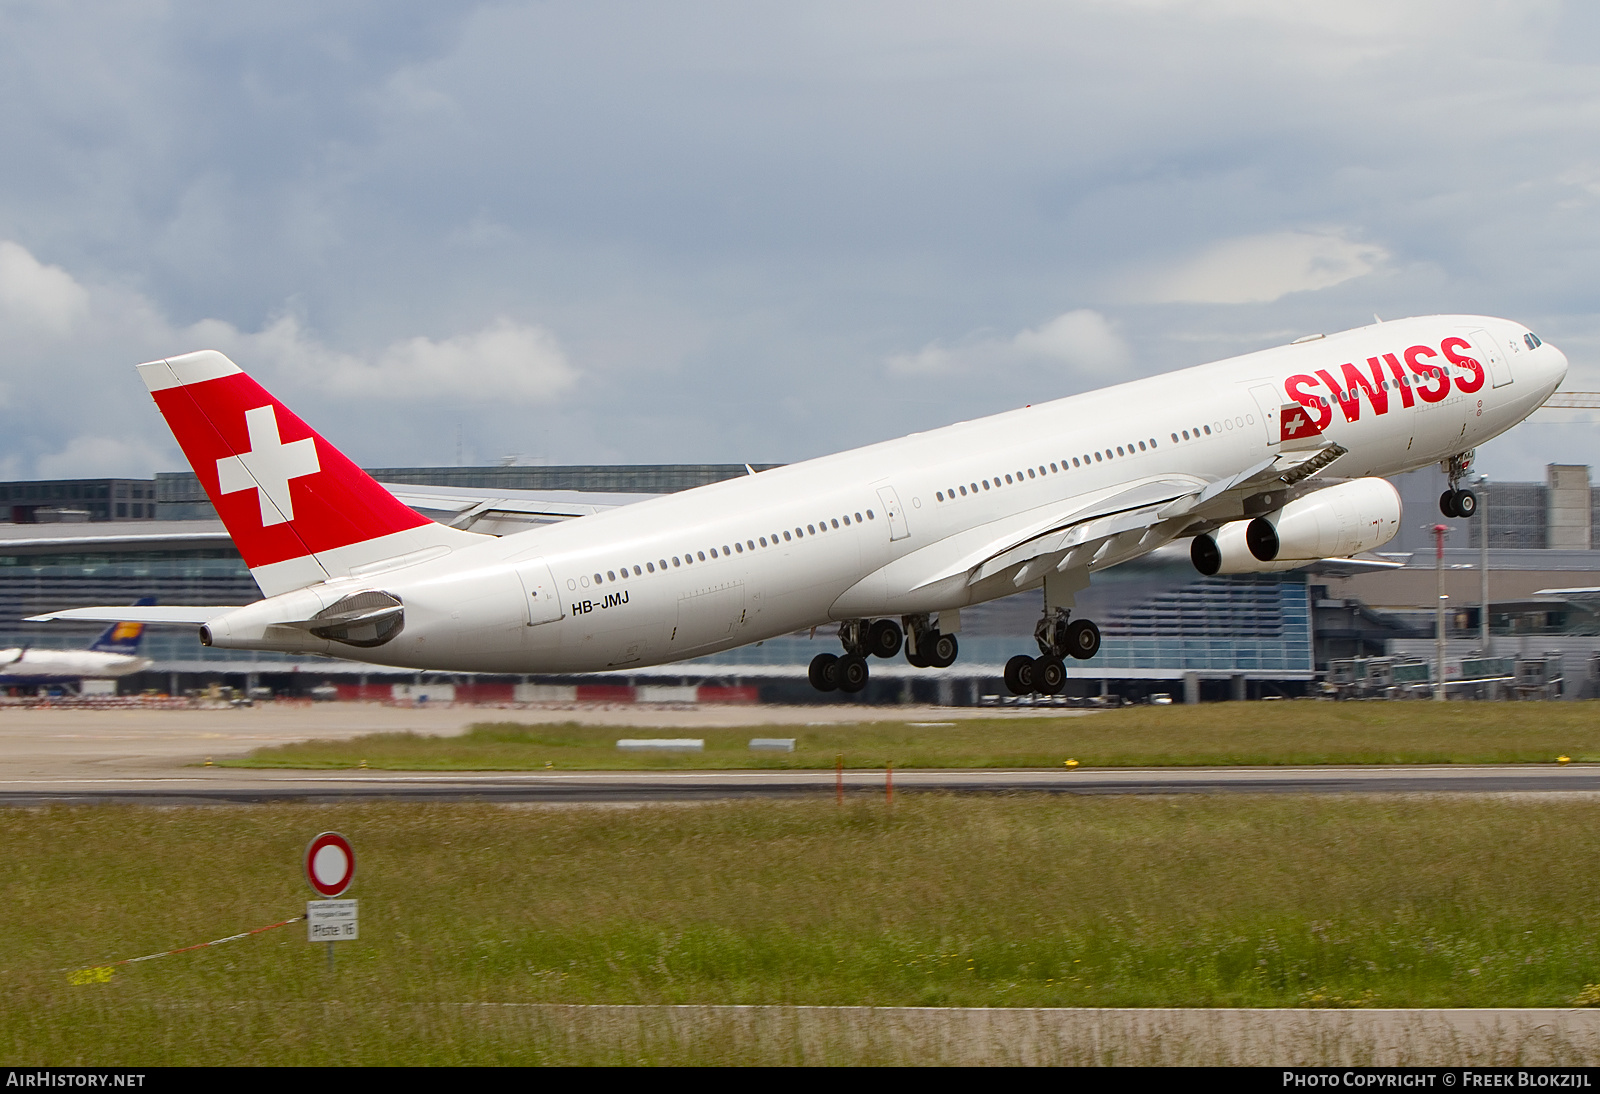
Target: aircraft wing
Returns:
[[1585, 598], [1346, 567], [503, 512], [126, 613], [1105, 529]]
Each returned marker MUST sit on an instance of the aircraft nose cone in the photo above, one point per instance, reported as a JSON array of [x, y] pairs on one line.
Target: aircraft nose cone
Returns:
[[1558, 364]]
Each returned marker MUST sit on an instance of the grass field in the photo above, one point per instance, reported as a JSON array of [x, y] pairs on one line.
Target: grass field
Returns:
[[1006, 901], [1218, 733]]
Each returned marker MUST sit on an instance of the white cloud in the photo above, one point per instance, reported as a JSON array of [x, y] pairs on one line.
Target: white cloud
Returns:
[[1260, 269], [505, 362], [38, 295], [91, 456], [73, 406], [1081, 340]]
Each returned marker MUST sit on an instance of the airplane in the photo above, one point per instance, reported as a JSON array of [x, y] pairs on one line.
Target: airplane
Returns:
[[890, 541], [114, 653]]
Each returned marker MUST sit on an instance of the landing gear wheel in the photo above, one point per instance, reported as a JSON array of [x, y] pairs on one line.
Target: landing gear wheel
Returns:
[[942, 649], [1447, 503], [884, 638], [1083, 639], [1049, 675], [1466, 503], [824, 672], [915, 660], [1019, 675], [852, 673]]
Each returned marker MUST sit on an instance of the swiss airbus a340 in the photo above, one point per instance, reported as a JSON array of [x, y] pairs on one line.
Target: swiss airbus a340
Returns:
[[1265, 462]]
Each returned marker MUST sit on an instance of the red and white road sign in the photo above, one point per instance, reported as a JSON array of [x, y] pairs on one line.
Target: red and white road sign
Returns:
[[330, 864]]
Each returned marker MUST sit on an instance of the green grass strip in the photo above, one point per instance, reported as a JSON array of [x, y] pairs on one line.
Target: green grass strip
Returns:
[[1004, 901], [1302, 732]]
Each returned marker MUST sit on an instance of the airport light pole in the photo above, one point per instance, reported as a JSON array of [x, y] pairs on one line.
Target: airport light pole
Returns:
[[1484, 641], [1439, 531]]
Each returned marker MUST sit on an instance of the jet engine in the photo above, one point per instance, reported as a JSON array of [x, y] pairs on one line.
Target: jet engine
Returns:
[[1333, 522]]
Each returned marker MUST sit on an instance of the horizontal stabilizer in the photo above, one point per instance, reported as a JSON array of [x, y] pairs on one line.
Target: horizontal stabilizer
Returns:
[[124, 613]]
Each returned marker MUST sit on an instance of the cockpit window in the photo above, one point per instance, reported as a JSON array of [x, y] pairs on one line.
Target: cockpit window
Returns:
[[1532, 340]]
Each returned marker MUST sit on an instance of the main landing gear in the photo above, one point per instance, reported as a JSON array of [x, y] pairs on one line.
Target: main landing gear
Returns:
[[1456, 502], [925, 648], [1059, 636]]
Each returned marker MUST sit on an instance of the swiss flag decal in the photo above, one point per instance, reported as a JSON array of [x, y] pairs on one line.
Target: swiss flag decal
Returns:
[[1294, 424]]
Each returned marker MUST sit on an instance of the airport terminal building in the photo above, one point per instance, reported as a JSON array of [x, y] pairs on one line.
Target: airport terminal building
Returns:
[[1165, 627]]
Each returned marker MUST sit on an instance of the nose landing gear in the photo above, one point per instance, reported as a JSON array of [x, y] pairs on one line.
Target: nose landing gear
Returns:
[[1456, 502]]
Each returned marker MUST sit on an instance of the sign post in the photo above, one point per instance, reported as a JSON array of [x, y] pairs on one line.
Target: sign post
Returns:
[[330, 868]]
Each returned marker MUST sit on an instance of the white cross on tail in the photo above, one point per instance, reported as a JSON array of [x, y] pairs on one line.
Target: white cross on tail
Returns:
[[268, 466]]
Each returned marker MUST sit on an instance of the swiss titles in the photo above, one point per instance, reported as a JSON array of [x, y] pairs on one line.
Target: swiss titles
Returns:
[[1417, 375]]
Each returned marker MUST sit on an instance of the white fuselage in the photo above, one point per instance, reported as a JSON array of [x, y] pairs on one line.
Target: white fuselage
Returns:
[[19, 666], [897, 528]]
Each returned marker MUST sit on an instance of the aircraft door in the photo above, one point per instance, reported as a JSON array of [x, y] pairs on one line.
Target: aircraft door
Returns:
[[709, 615], [1499, 366], [1269, 400], [893, 513], [541, 599]]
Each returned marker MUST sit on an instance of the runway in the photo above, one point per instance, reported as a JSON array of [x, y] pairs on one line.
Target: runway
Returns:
[[220, 786], [155, 757]]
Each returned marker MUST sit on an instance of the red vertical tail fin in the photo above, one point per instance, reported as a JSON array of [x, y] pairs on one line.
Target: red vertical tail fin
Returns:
[[298, 509]]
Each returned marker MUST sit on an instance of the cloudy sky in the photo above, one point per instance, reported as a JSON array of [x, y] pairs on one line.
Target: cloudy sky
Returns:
[[583, 232]]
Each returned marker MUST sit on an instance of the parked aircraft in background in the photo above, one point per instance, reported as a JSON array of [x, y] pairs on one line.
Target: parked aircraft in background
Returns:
[[890, 541], [114, 653]]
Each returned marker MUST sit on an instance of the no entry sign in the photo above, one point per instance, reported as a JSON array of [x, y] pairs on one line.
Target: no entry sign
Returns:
[[330, 864]]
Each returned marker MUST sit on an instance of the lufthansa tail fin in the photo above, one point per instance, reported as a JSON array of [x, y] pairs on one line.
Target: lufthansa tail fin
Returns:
[[297, 508], [123, 636]]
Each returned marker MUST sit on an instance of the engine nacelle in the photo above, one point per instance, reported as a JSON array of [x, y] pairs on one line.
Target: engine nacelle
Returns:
[[1340, 520], [1333, 522], [1225, 552]]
